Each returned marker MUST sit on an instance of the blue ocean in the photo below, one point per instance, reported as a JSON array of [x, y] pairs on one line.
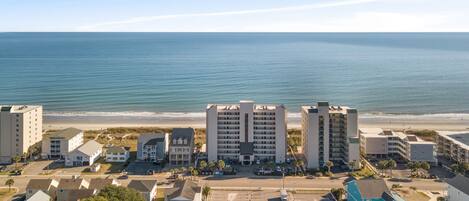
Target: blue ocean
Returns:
[[395, 73]]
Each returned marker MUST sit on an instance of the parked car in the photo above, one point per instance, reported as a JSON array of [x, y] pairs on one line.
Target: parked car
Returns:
[[150, 172], [310, 177], [124, 176]]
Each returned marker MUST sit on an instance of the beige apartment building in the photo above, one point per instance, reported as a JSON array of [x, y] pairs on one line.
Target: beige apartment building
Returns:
[[246, 132], [330, 133], [377, 143], [20, 128], [454, 145]]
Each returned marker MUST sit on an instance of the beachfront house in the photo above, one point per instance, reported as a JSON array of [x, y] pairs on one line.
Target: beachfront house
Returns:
[[84, 155], [181, 146], [117, 154], [152, 147], [58, 144], [147, 188]]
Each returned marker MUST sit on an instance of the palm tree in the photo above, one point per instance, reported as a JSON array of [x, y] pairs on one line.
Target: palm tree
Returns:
[[206, 192], [338, 193], [424, 165], [203, 165], [382, 165], [329, 165], [9, 182], [211, 165], [17, 159], [221, 164], [391, 165]]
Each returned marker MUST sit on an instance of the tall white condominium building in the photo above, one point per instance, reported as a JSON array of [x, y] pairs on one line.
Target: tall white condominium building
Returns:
[[454, 145], [330, 133], [20, 128], [246, 132], [378, 144]]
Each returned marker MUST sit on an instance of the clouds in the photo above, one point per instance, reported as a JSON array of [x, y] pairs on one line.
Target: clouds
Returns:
[[143, 19]]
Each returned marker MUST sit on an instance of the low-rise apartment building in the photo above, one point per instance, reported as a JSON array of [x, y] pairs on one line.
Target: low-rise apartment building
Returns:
[[181, 147], [20, 130], [382, 144], [59, 144], [152, 147], [330, 133], [454, 145], [246, 132]]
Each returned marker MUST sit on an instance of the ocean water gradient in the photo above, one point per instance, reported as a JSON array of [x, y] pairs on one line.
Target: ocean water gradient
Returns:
[[122, 73]]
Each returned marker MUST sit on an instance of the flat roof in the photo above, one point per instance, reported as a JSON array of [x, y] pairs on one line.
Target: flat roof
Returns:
[[66, 133], [18, 108], [461, 137]]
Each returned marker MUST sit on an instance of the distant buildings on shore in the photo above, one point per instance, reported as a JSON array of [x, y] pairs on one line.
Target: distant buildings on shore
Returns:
[[246, 132], [20, 130]]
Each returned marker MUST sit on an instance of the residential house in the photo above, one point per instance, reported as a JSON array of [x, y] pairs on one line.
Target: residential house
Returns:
[[147, 188], [100, 183], [48, 186], [152, 147], [59, 144], [73, 189], [181, 147], [184, 190], [117, 154], [39, 196], [84, 155], [458, 188], [370, 189]]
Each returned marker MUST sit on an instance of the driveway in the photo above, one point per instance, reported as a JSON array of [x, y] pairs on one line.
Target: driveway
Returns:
[[36, 167], [141, 168]]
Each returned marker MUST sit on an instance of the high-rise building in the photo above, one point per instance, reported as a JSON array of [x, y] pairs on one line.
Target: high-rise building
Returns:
[[330, 133], [246, 132], [20, 129]]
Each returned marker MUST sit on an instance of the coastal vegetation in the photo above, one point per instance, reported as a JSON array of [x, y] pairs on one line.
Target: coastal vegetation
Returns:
[[424, 134]]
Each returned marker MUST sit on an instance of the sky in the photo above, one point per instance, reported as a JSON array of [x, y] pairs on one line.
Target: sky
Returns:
[[234, 15]]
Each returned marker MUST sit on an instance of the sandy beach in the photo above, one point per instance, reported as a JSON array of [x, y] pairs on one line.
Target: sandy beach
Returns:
[[433, 122]]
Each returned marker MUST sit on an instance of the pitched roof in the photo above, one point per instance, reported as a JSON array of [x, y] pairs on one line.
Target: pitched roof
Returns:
[[66, 133], [154, 141], [186, 134], [372, 188], [116, 149], [142, 185], [42, 184], [459, 182], [183, 188], [89, 148], [77, 194], [70, 183], [100, 183], [39, 196]]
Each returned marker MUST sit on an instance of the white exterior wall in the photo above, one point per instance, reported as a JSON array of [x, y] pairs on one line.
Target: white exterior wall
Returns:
[[117, 157], [74, 155], [456, 195], [266, 127], [19, 130], [310, 133], [66, 146]]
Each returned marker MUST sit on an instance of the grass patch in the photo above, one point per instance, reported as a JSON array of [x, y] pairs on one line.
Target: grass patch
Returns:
[[5, 194], [363, 173], [107, 168], [412, 195], [424, 134]]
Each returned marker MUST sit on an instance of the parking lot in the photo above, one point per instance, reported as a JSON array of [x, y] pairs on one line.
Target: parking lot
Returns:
[[141, 168]]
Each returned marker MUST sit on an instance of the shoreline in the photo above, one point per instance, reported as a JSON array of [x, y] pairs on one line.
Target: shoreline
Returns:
[[453, 122]]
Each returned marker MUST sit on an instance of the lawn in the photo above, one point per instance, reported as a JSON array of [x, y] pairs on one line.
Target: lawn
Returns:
[[5, 194], [107, 168], [363, 173]]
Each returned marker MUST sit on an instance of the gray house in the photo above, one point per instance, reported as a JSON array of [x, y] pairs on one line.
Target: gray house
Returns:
[[152, 147], [181, 146]]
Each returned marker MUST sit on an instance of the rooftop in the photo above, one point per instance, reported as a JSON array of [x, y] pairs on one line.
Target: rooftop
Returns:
[[116, 149], [39, 184], [184, 135], [183, 188], [89, 148], [100, 183], [459, 182], [18, 108], [332, 109], [39, 196], [461, 138], [70, 183], [234, 107], [66, 133], [142, 185]]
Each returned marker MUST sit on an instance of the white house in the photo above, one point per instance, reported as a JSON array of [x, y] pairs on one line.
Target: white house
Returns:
[[84, 155], [117, 154], [39, 196], [48, 186], [458, 188], [59, 144], [147, 188]]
